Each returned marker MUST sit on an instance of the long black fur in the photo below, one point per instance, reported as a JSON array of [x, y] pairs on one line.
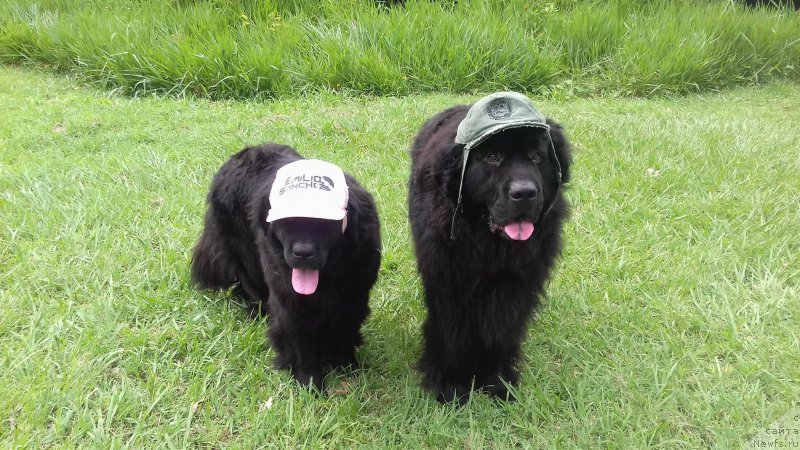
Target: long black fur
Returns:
[[480, 289], [238, 247]]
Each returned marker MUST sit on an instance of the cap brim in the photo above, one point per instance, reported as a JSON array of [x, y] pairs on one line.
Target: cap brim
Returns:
[[314, 212], [502, 127]]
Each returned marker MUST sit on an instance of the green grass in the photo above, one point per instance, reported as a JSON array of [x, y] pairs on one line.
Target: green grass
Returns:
[[222, 49], [672, 318]]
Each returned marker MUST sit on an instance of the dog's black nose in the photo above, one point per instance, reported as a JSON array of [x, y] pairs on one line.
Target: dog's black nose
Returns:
[[303, 250], [521, 191]]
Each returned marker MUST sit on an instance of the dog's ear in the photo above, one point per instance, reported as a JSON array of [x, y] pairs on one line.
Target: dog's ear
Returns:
[[356, 205], [353, 213], [562, 147], [448, 174]]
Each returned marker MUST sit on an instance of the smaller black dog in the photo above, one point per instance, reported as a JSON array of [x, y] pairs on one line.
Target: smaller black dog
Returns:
[[302, 240]]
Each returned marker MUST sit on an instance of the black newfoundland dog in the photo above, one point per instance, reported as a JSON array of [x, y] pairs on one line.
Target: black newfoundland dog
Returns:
[[285, 230], [486, 211]]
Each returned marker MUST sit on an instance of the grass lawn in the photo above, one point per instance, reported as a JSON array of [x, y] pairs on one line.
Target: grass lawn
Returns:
[[672, 318]]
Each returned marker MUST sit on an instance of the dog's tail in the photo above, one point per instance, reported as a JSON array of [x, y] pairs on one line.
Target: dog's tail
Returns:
[[211, 268]]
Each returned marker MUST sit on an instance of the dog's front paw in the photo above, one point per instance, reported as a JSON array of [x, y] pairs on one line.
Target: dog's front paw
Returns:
[[500, 391], [499, 385], [345, 360], [281, 362], [449, 392], [311, 379]]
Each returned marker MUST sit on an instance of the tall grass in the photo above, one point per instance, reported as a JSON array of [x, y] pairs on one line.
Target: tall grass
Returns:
[[250, 48]]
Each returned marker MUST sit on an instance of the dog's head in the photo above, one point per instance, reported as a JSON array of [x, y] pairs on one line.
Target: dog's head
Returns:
[[306, 244], [308, 214], [513, 177]]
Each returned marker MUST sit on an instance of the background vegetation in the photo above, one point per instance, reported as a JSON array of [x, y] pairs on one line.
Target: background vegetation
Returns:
[[276, 48]]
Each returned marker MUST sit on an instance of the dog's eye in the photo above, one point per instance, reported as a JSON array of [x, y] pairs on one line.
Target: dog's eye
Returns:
[[493, 158], [536, 157]]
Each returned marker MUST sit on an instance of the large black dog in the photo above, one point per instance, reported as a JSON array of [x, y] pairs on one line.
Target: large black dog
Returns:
[[484, 261], [311, 275]]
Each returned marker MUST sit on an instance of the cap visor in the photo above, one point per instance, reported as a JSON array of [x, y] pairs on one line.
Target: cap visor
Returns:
[[309, 212], [502, 127]]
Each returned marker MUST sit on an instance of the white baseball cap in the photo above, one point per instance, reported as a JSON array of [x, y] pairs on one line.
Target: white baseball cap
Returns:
[[308, 188]]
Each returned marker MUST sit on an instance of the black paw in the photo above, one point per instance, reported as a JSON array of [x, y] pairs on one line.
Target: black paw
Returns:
[[310, 379], [500, 392], [501, 385], [281, 363], [345, 361], [450, 393]]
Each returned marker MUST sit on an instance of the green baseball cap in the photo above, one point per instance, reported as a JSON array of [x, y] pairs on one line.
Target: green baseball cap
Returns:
[[497, 112]]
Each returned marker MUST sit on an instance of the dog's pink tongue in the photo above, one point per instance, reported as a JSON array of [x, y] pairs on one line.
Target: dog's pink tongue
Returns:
[[304, 281], [519, 231]]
